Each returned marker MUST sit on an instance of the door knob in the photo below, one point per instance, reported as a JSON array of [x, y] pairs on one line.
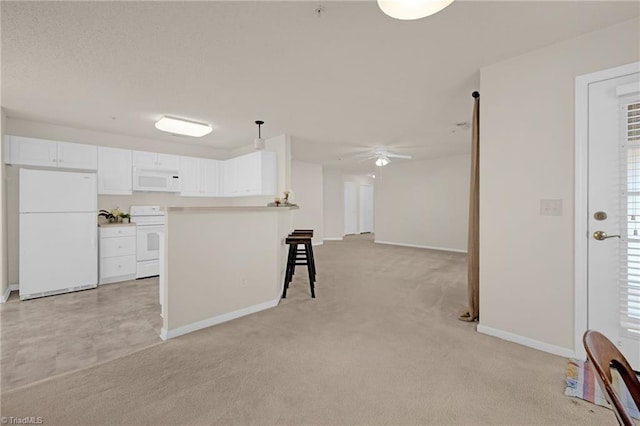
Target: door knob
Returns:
[[601, 235]]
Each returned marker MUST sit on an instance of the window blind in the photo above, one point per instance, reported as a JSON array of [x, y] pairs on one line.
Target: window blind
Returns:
[[630, 276]]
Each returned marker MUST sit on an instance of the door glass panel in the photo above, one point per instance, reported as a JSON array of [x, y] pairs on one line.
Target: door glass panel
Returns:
[[630, 282]]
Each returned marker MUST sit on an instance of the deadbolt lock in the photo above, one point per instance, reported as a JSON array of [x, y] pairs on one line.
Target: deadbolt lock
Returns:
[[599, 215]]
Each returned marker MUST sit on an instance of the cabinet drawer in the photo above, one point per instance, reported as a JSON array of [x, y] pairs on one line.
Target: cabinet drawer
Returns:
[[116, 266], [117, 231], [117, 246]]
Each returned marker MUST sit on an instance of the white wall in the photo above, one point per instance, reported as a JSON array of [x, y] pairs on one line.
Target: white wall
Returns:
[[333, 203], [307, 192], [527, 154], [424, 203]]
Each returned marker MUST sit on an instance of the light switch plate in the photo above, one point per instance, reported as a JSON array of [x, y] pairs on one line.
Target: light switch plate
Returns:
[[550, 207]]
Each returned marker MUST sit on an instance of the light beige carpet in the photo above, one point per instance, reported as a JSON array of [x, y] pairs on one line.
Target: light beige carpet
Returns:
[[381, 344]]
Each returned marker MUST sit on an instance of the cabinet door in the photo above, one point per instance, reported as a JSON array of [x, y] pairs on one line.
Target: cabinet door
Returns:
[[168, 162], [249, 174], [190, 176], [77, 156], [145, 159], [229, 173], [33, 152], [269, 173], [210, 177], [114, 171]]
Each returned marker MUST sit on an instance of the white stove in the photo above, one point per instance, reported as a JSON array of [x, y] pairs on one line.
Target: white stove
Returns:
[[149, 222]]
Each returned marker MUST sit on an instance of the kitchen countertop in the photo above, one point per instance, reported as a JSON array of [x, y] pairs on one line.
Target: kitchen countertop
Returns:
[[229, 208], [109, 225]]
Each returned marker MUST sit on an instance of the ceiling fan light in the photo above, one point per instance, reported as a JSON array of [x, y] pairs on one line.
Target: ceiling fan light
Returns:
[[177, 126], [382, 161], [412, 9]]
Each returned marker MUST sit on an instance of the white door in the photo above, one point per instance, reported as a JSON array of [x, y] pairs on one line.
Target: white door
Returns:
[[350, 208], [614, 209], [366, 208]]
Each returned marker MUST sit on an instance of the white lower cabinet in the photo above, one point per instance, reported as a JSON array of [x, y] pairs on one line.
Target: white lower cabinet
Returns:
[[117, 253]]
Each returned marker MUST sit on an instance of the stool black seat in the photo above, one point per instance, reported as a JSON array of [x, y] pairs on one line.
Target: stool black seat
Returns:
[[294, 259]]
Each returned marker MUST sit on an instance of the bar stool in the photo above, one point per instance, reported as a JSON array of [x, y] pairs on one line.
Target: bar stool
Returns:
[[293, 260], [308, 232]]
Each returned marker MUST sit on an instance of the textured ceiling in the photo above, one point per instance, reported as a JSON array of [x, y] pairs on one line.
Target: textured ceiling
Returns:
[[339, 83]]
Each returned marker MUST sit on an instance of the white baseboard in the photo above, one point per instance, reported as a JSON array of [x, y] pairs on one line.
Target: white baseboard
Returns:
[[317, 244], [7, 292], [332, 238], [5, 295], [190, 328], [525, 341], [419, 246]]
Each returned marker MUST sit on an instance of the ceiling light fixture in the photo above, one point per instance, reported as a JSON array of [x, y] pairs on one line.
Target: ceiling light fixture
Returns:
[[412, 9], [178, 126], [259, 142], [382, 161]]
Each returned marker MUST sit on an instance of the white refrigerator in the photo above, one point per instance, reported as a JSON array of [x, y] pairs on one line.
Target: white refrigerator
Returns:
[[58, 232]]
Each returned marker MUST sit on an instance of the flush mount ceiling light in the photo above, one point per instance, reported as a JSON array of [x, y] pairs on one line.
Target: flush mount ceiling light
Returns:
[[178, 126], [412, 9], [382, 161], [259, 142]]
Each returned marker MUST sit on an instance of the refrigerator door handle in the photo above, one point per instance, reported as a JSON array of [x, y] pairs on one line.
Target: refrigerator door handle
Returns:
[[94, 235]]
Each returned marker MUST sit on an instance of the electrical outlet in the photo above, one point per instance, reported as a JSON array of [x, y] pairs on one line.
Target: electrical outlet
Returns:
[[550, 207]]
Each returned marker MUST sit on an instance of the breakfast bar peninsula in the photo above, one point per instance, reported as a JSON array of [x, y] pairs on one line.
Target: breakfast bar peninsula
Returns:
[[220, 263]]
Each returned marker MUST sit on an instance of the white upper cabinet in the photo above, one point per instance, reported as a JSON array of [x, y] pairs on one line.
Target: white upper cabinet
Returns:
[[211, 177], [250, 174], [77, 156], [114, 171], [200, 177], [153, 160], [25, 151], [190, 176]]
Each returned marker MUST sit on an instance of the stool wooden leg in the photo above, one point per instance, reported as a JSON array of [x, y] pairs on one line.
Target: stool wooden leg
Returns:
[[313, 261], [291, 264], [310, 271]]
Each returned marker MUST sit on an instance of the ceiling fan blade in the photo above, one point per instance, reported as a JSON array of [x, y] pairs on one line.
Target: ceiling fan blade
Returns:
[[367, 159], [391, 155]]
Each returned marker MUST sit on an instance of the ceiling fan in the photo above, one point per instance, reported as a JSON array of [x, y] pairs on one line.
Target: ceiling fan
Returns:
[[382, 156]]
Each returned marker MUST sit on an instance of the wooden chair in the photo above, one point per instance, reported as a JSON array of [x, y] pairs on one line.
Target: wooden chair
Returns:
[[603, 355]]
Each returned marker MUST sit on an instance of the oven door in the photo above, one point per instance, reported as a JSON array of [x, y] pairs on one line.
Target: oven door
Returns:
[[148, 244]]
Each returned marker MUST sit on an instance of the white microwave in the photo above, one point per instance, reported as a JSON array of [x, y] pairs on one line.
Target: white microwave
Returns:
[[157, 180]]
